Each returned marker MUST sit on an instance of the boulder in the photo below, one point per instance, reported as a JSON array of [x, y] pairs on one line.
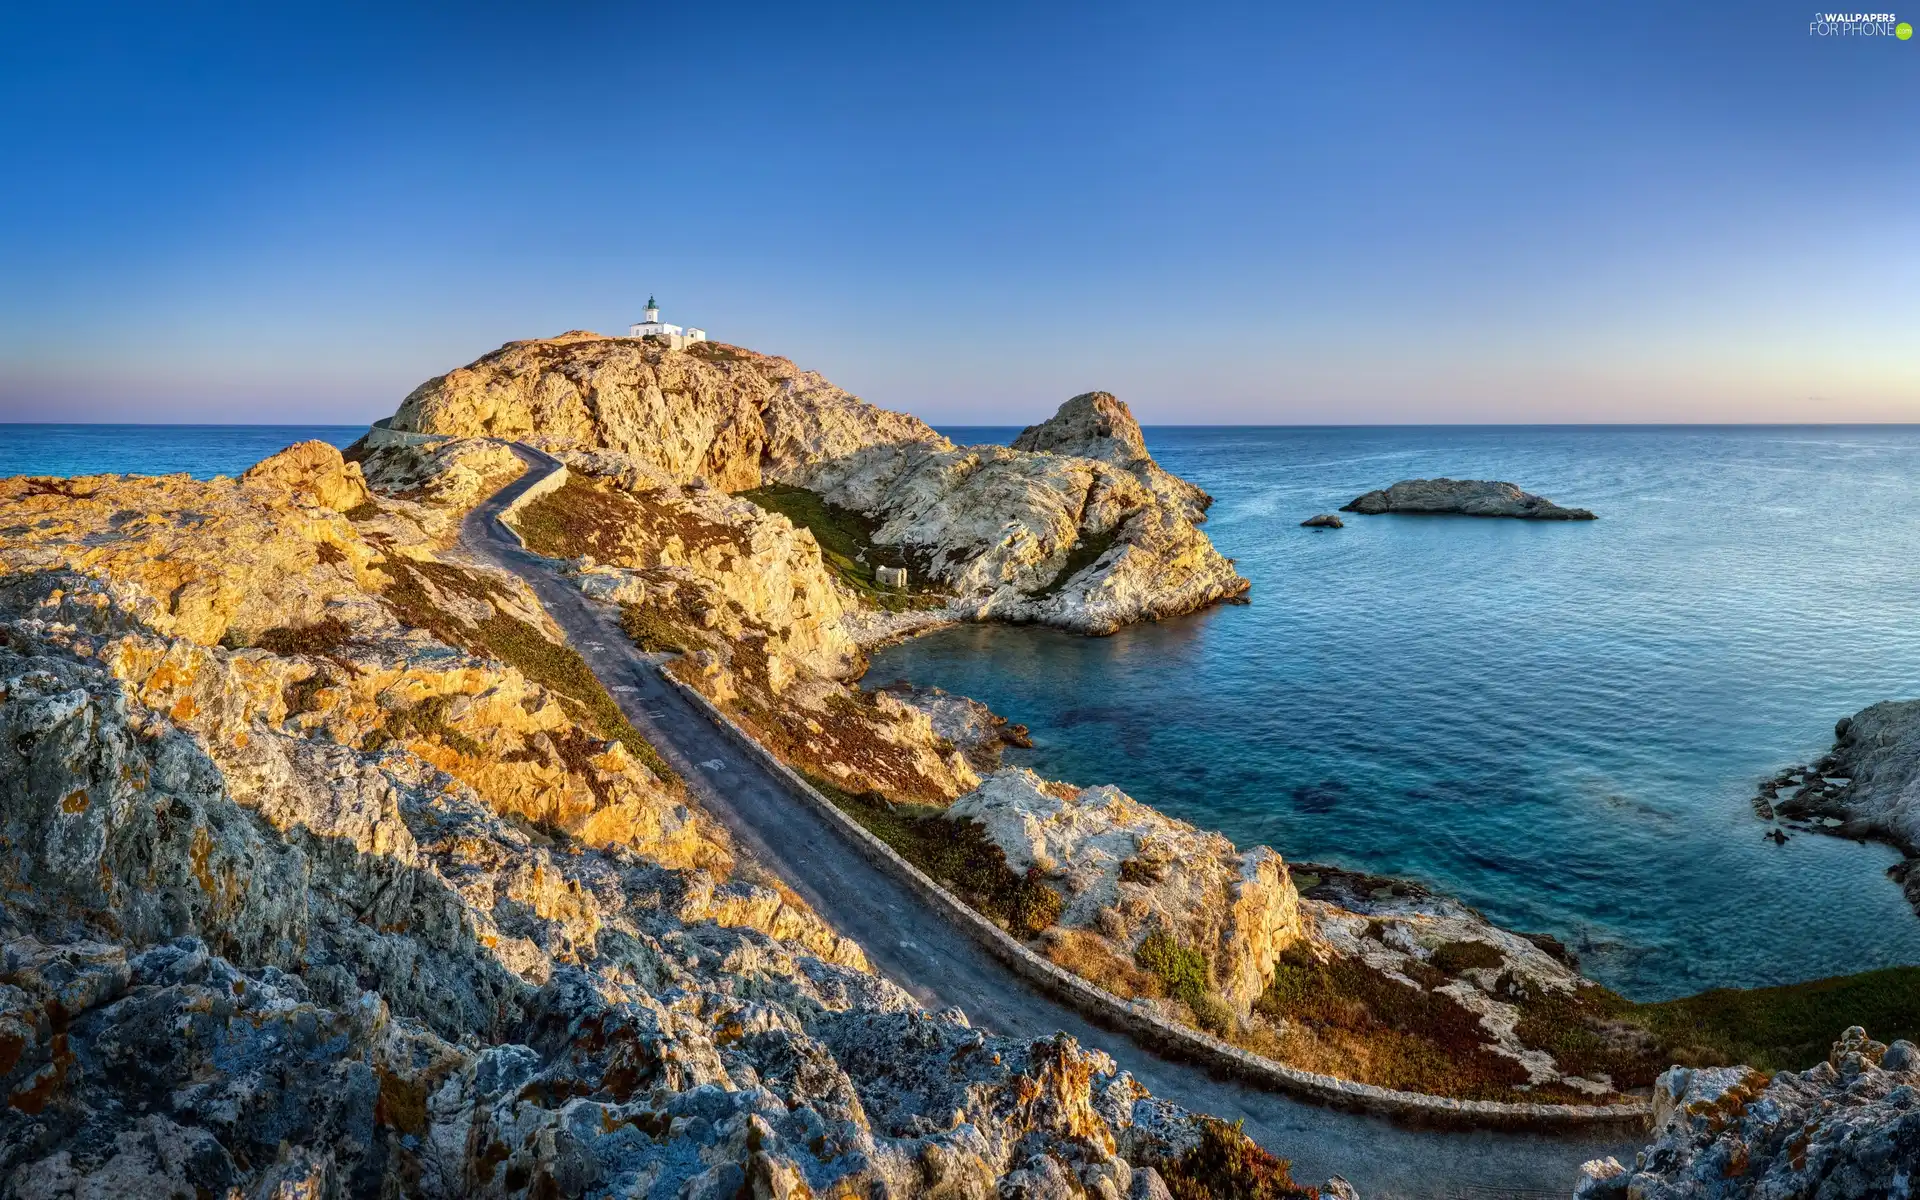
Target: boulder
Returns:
[[1128, 870], [1323, 521]]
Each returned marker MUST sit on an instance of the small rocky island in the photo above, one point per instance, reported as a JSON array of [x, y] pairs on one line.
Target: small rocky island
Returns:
[[1463, 497]]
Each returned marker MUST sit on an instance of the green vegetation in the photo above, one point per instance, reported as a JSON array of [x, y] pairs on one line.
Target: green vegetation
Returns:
[[847, 545], [320, 639], [1084, 554], [651, 631], [1451, 958], [1187, 976], [427, 719], [959, 855], [1361, 1024], [1182, 969], [555, 667], [1785, 1028], [579, 517], [1226, 1165]]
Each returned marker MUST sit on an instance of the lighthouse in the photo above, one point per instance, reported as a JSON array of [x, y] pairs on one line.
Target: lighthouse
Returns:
[[676, 337]]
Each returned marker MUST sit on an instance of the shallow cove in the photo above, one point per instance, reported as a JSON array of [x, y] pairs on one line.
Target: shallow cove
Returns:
[[1560, 723]]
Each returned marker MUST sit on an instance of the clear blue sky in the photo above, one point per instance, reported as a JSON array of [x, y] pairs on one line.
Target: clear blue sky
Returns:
[[1324, 213]]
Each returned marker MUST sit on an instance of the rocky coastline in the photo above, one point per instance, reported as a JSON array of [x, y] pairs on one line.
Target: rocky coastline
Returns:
[[1866, 787], [1462, 497], [333, 869]]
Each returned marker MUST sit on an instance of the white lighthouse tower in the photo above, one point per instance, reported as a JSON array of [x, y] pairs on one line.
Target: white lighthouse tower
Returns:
[[653, 326]]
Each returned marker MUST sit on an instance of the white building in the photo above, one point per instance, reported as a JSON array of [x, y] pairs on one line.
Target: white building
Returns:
[[653, 326]]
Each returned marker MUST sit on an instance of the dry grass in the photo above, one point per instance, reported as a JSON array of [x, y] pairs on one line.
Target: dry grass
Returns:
[[1092, 957]]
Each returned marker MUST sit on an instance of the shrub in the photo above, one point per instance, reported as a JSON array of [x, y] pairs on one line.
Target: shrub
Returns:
[[1226, 1165], [1786, 1028], [650, 630], [1183, 970], [321, 638], [958, 854], [847, 547], [1455, 957]]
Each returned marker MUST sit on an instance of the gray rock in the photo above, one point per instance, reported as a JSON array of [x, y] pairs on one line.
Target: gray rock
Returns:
[[1867, 786], [1465, 497], [1323, 521], [1845, 1128]]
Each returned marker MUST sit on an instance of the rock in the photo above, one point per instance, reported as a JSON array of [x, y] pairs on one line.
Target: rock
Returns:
[[313, 472], [367, 911], [1901, 1056], [1847, 1127], [1128, 870], [1323, 521], [1337, 1188], [1078, 529], [1467, 497], [1868, 786], [1098, 425], [1601, 1179]]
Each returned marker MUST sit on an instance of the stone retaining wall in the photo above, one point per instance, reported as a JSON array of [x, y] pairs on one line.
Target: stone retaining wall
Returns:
[[551, 483], [1149, 1028]]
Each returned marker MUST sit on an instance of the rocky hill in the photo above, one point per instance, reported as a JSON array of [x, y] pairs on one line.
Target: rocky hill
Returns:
[[1075, 526], [330, 872]]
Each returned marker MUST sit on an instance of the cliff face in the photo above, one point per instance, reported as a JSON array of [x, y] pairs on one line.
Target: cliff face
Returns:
[[1076, 527], [335, 876]]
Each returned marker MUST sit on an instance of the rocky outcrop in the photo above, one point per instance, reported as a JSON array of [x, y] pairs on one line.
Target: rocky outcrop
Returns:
[[357, 906], [1098, 425], [1848, 1127], [710, 411], [1868, 786], [1464, 497], [1129, 871], [1078, 528], [1323, 521]]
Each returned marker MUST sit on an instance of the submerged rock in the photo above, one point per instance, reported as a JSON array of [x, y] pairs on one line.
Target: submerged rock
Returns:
[[1465, 497]]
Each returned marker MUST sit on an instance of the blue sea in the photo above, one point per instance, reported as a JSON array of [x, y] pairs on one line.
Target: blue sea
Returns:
[[201, 451], [1562, 724]]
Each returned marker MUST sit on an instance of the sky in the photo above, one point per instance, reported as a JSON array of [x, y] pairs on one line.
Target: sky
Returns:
[[1269, 214]]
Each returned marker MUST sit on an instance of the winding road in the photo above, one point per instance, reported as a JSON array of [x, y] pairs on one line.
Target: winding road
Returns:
[[942, 966]]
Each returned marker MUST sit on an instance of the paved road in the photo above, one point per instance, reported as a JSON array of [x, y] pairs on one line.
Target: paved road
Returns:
[[941, 965]]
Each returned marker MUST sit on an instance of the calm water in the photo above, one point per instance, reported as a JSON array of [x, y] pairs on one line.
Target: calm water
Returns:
[[202, 451], [1560, 723]]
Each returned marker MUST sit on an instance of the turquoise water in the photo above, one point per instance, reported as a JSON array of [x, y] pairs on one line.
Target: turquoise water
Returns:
[[202, 451], [1560, 723]]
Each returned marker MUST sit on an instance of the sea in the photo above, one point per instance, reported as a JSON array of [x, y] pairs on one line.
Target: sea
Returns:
[[1562, 724]]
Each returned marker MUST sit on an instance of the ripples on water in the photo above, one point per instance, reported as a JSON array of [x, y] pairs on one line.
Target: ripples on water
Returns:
[[1562, 724]]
